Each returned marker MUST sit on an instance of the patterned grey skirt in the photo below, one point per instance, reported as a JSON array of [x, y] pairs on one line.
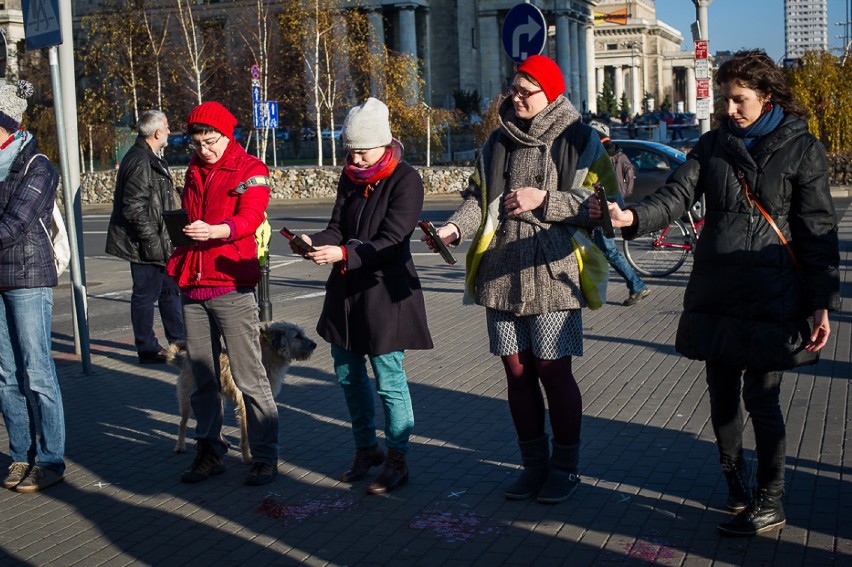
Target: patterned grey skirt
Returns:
[[549, 335]]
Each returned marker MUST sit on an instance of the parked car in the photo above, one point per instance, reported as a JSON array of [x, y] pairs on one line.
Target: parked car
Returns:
[[177, 139], [654, 163], [326, 133]]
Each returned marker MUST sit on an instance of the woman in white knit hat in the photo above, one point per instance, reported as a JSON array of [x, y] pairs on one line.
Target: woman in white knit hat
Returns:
[[374, 308], [27, 276]]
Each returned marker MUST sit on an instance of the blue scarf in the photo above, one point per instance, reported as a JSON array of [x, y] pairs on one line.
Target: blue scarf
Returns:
[[767, 122], [10, 152]]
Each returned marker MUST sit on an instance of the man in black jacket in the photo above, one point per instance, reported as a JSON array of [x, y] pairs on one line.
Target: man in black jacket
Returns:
[[143, 190]]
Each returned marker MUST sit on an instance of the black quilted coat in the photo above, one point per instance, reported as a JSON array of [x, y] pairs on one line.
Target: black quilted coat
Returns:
[[746, 303]]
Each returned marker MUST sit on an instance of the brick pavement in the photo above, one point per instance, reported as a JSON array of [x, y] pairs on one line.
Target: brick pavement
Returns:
[[652, 491]]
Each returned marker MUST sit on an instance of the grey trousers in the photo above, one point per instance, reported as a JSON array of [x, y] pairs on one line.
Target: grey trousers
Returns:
[[234, 318]]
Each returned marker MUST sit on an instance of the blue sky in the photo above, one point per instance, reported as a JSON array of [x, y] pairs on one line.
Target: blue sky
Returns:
[[746, 24]]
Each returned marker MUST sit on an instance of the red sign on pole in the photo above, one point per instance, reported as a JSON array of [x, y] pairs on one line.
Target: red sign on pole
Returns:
[[701, 49], [702, 88]]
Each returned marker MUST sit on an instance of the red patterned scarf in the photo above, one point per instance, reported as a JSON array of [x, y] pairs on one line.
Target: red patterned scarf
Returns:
[[369, 176]]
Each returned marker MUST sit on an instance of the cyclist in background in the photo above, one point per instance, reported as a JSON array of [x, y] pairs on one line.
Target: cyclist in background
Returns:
[[625, 174], [756, 303]]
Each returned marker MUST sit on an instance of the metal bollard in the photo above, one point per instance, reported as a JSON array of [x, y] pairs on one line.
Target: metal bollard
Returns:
[[264, 305]]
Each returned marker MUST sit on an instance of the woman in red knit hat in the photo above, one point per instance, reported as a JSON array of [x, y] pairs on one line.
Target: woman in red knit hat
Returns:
[[524, 202], [225, 194]]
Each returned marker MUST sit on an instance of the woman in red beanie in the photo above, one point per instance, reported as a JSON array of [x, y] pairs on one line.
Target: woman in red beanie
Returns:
[[225, 194], [524, 202]]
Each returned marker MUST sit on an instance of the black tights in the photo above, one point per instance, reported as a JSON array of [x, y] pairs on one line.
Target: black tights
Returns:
[[526, 402]]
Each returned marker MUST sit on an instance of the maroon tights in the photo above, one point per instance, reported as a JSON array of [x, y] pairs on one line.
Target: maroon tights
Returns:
[[526, 403]]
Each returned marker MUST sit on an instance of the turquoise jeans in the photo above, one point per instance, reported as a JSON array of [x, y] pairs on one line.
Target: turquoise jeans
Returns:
[[392, 388]]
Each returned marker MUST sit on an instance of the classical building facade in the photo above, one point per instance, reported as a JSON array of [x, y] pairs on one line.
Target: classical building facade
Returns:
[[459, 42], [643, 56], [12, 29]]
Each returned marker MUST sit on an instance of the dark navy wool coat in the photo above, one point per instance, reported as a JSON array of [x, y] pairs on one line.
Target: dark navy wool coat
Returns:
[[376, 305]]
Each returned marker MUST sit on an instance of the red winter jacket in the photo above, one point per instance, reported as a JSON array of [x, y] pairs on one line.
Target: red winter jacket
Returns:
[[232, 261]]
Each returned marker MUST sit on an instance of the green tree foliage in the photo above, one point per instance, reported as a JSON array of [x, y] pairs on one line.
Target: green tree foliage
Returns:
[[820, 82], [117, 44], [666, 105], [624, 106], [606, 100]]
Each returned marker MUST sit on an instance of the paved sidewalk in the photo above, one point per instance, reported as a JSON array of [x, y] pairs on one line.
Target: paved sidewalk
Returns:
[[651, 492]]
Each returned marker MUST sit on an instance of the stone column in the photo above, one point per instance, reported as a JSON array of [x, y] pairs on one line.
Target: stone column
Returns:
[[575, 63], [491, 44], [599, 82], [592, 82], [563, 48], [377, 23], [691, 94], [407, 29], [619, 83], [584, 69], [408, 43], [425, 49], [636, 84]]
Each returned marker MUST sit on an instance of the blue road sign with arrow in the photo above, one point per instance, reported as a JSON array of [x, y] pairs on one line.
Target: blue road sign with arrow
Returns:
[[524, 32]]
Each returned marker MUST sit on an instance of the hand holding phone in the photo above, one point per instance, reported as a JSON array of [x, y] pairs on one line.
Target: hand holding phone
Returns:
[[297, 241], [606, 221], [429, 229]]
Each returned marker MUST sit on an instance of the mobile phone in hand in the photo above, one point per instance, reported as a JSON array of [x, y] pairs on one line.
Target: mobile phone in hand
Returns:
[[299, 242], [606, 221], [429, 229]]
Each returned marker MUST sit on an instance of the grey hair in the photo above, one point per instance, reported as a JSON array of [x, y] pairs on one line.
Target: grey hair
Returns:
[[149, 122]]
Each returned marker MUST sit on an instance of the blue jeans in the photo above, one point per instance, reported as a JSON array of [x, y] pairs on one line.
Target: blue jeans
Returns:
[[151, 284], [618, 262], [392, 387], [234, 317], [29, 387]]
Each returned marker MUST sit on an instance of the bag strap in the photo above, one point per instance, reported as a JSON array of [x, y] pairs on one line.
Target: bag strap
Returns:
[[44, 228], [751, 198]]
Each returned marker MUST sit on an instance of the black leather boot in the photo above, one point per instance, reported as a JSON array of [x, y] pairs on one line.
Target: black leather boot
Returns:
[[394, 475], [365, 457], [563, 476], [763, 514], [738, 479], [535, 458]]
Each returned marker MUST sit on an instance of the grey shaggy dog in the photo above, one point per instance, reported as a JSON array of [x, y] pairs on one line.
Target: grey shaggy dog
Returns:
[[280, 344]]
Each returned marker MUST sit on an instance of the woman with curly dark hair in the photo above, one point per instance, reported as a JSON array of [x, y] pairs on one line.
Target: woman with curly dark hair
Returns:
[[765, 274]]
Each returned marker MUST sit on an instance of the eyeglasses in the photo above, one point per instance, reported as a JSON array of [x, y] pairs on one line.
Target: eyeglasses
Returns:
[[206, 144], [522, 95]]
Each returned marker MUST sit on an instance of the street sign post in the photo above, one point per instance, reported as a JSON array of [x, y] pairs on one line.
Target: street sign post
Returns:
[[702, 109], [701, 49], [524, 32], [41, 23], [266, 114], [702, 88], [702, 69]]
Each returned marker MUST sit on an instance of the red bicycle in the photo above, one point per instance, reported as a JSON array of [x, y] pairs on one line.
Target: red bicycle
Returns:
[[663, 252]]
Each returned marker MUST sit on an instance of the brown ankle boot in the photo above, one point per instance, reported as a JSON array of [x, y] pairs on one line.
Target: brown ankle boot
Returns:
[[365, 457], [394, 475]]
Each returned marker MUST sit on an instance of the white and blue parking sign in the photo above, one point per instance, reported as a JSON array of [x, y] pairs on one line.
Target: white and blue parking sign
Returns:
[[524, 32]]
